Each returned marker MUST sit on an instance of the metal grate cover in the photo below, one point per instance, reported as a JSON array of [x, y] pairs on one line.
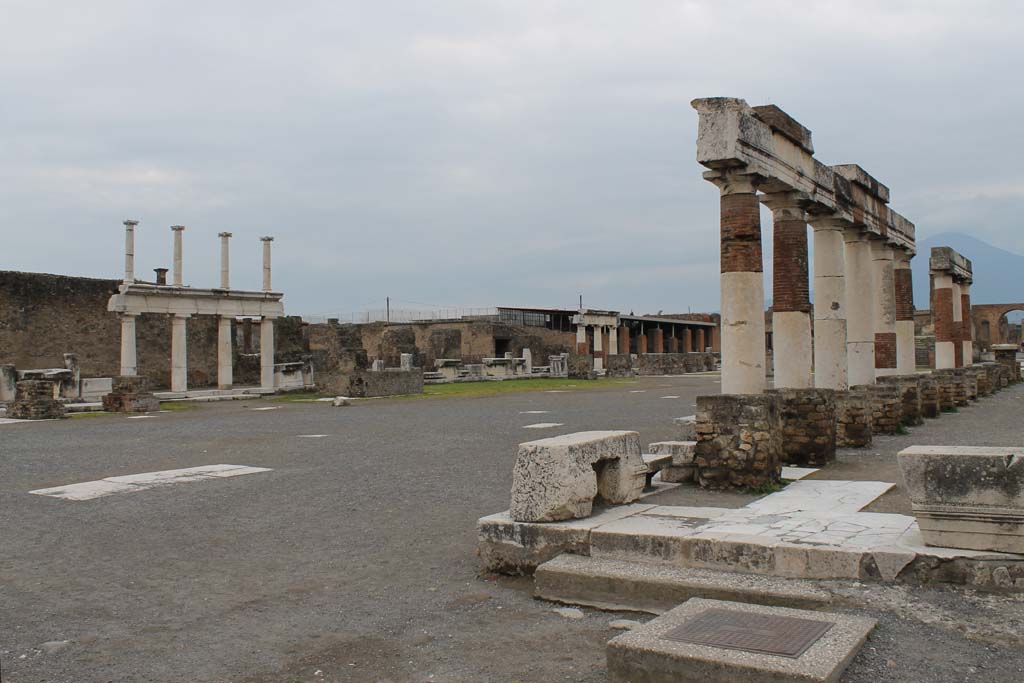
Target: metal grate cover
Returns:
[[784, 636]]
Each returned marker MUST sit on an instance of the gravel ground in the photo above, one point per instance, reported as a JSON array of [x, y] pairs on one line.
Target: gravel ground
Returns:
[[353, 560]]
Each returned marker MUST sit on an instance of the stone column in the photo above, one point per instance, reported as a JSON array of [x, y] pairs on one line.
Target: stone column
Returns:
[[885, 308], [942, 314], [700, 343], [906, 362], [225, 277], [225, 371], [673, 343], [860, 328], [967, 331], [613, 341], [179, 352], [958, 325], [624, 339], [582, 347], [658, 340], [742, 286], [129, 251], [177, 229], [266, 262], [687, 340], [830, 304], [791, 316], [129, 358], [598, 347], [267, 353]]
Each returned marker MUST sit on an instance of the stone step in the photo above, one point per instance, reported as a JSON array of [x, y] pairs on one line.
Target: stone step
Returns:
[[711, 641], [657, 588]]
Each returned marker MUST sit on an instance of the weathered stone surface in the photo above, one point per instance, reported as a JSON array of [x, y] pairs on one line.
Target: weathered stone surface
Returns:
[[1006, 356], [738, 440], [675, 363], [686, 427], [581, 366], [808, 421], [558, 478], [853, 418], [682, 452], [886, 408], [645, 655], [967, 497], [910, 397], [33, 400], [931, 402], [619, 365], [387, 382], [130, 394]]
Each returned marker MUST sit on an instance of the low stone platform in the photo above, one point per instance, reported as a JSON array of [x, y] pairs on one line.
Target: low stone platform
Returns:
[[674, 648], [657, 588], [813, 529]]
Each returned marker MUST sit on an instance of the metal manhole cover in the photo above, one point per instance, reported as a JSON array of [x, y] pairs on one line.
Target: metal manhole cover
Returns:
[[784, 636]]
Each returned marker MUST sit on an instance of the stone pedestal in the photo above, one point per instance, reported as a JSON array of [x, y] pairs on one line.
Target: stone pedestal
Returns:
[[738, 440], [945, 382], [808, 421], [910, 397], [960, 392], [982, 375], [33, 400], [1006, 355], [931, 404], [853, 418], [581, 366], [886, 408], [130, 394]]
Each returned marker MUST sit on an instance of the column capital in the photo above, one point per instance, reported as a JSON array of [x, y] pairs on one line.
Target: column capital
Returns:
[[181, 316], [224, 234], [828, 222], [266, 238], [786, 200], [881, 250], [125, 314], [854, 234], [130, 223], [734, 180], [177, 228]]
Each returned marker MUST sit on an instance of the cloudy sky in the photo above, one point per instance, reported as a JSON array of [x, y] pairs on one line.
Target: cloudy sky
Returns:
[[477, 152]]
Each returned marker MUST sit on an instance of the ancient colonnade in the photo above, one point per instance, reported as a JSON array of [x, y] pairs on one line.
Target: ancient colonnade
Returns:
[[180, 303], [951, 277]]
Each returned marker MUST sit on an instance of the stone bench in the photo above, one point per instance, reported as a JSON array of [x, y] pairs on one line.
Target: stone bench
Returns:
[[558, 478], [967, 497], [682, 467], [655, 462]]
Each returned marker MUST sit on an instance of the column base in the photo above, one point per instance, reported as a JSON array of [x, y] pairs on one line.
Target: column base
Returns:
[[808, 422], [738, 440], [886, 408], [853, 418], [910, 397]]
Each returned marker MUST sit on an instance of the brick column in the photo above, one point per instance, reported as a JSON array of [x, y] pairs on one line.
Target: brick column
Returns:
[[791, 315], [958, 323], [830, 304], [742, 286], [673, 344], [942, 314], [967, 329], [658, 340], [885, 308], [624, 339], [700, 337], [903, 279], [860, 328], [687, 340], [641, 343]]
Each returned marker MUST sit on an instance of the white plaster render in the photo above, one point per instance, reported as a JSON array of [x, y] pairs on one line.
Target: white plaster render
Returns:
[[860, 295], [884, 288], [906, 360], [968, 344], [129, 361], [266, 262], [225, 272], [129, 250], [743, 343], [225, 371], [267, 353], [791, 341], [179, 353]]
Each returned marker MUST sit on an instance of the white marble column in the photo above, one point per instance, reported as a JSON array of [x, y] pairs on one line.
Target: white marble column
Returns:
[[178, 277], [906, 355], [129, 252], [829, 304], [884, 287], [225, 355], [598, 347], [266, 262], [967, 337], [742, 286], [581, 339], [860, 296], [129, 358], [613, 341], [179, 352], [267, 353], [225, 274]]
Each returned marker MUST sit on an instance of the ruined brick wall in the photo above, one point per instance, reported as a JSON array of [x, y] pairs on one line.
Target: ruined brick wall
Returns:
[[674, 363]]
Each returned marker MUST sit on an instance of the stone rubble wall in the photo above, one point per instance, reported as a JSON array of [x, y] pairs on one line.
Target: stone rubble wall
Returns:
[[619, 365], [130, 394], [675, 363], [739, 440], [808, 422], [390, 382], [853, 418], [34, 401]]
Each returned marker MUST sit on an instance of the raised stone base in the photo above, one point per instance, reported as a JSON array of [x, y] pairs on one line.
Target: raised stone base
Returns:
[[738, 440], [853, 418], [619, 365], [982, 377], [1006, 356], [682, 469], [808, 420], [886, 408], [655, 653], [931, 404], [945, 379], [967, 497], [130, 394], [581, 366], [33, 400], [910, 397]]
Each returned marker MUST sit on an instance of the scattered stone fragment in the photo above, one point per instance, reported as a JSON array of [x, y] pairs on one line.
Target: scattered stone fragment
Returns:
[[569, 612], [341, 401], [54, 646], [623, 624]]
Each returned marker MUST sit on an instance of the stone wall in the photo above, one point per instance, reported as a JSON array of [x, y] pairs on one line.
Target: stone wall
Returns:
[[674, 363], [853, 418], [581, 366], [34, 401], [619, 365], [739, 440], [391, 382], [808, 423]]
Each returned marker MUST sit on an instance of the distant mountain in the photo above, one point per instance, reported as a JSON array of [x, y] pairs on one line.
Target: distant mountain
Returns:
[[998, 274]]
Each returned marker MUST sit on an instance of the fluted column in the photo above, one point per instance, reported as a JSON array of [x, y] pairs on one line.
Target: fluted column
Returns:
[[829, 304], [225, 353], [906, 357], [179, 353], [178, 276], [791, 302], [129, 252], [885, 308], [742, 286], [267, 353], [613, 341], [860, 295], [225, 274], [129, 358]]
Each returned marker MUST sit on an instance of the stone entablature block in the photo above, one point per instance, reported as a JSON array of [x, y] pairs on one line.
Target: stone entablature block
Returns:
[[558, 478], [951, 262], [967, 497]]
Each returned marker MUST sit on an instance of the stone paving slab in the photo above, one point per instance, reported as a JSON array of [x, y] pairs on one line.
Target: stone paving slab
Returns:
[[645, 655], [132, 483]]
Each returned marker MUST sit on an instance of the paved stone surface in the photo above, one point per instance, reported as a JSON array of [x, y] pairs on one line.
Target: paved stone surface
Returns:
[[354, 557]]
